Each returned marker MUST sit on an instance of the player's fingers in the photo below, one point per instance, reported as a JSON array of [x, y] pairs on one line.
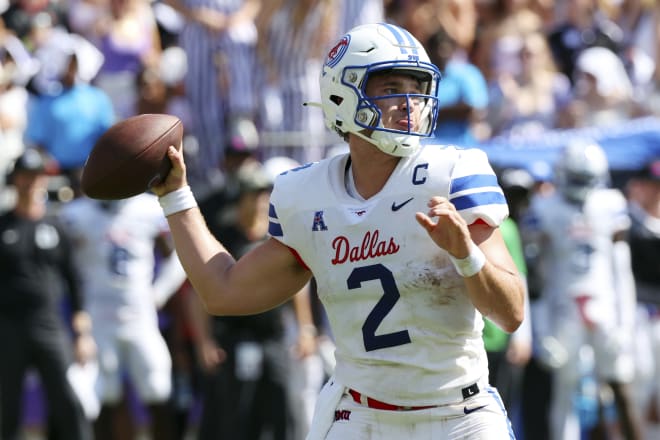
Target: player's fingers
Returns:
[[176, 157], [176, 177], [440, 206], [441, 203], [441, 210], [424, 221], [437, 200]]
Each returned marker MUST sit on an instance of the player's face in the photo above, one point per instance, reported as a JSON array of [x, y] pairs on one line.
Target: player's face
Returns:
[[396, 110]]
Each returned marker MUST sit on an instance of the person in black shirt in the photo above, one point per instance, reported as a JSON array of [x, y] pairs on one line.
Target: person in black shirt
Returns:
[[643, 190], [644, 197], [35, 266]]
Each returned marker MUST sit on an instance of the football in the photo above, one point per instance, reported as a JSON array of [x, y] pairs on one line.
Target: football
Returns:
[[131, 156]]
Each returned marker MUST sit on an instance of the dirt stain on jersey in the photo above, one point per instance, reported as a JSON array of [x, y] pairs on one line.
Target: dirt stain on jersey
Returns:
[[437, 276]]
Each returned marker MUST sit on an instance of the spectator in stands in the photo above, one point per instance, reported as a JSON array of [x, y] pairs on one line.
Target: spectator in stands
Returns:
[[20, 15], [219, 40], [218, 202], [603, 93], [36, 268], [462, 93], [530, 98], [126, 33], [66, 114], [638, 21], [457, 17], [294, 39], [648, 43], [355, 12], [498, 34], [16, 68], [584, 25]]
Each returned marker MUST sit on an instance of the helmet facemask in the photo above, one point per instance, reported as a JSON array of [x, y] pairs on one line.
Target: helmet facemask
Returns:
[[368, 116]]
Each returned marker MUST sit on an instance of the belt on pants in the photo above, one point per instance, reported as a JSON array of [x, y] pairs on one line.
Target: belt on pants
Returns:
[[360, 398]]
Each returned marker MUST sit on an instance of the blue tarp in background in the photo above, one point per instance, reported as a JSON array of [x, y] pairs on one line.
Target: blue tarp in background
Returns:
[[629, 146]]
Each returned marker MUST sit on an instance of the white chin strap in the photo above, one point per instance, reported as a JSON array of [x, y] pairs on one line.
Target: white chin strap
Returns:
[[392, 144]]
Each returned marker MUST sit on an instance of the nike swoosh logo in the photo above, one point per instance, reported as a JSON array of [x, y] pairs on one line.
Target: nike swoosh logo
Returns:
[[467, 410], [396, 207]]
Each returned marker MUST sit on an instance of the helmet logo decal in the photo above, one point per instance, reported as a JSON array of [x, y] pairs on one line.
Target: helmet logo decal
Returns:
[[336, 53]]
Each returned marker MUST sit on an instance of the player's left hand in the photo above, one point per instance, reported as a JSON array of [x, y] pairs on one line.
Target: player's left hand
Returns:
[[450, 231]]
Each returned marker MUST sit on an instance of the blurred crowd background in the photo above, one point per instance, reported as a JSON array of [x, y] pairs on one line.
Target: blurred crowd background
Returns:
[[521, 80]]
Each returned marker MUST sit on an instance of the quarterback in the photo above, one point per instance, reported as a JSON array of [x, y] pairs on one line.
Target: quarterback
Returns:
[[402, 240]]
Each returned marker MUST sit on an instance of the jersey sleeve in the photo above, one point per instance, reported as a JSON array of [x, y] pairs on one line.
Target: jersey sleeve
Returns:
[[282, 202], [474, 189], [274, 225], [620, 216], [280, 206]]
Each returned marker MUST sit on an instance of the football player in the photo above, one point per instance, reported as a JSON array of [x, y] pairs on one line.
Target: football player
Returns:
[[588, 293], [115, 246], [402, 240]]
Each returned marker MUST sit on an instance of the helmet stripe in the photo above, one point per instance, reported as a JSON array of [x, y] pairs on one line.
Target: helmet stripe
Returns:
[[397, 35], [411, 40]]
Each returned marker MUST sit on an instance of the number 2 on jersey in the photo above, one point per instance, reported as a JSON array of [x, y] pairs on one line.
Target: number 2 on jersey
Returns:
[[119, 259], [391, 295]]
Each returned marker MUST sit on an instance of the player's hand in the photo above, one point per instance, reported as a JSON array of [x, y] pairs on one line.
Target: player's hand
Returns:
[[449, 231], [519, 352], [210, 355], [85, 348], [176, 178], [306, 345]]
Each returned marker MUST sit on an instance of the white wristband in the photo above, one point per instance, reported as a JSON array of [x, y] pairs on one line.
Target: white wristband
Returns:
[[471, 264], [177, 201]]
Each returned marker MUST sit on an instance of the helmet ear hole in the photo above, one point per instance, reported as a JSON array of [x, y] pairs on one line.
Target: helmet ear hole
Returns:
[[336, 99]]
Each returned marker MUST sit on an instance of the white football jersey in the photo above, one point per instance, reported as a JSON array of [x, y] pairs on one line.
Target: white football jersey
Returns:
[[114, 250], [404, 326], [577, 250]]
